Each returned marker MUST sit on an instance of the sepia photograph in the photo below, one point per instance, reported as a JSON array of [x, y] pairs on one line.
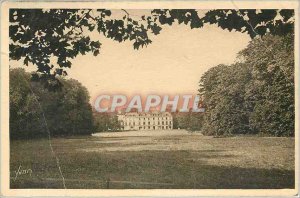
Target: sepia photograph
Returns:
[[107, 96]]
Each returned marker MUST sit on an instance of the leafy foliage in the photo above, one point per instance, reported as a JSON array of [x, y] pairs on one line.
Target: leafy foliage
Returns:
[[223, 88], [271, 96], [251, 21], [38, 36], [106, 122], [67, 112], [255, 96], [50, 39], [191, 121]]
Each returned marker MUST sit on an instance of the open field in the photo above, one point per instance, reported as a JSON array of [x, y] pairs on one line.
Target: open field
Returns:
[[155, 159]]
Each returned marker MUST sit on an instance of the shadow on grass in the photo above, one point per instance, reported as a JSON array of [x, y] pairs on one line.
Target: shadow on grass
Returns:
[[155, 170], [208, 177]]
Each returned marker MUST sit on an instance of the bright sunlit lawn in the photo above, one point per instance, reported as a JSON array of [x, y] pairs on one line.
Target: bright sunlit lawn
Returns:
[[161, 159]]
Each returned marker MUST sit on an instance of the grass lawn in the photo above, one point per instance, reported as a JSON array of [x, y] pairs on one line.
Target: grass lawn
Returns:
[[160, 159]]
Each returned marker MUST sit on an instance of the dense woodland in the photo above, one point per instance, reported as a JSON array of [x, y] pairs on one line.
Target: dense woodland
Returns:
[[104, 122], [36, 111], [255, 95]]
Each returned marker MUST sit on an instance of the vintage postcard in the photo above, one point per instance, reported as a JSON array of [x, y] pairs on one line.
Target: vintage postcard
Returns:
[[150, 98]]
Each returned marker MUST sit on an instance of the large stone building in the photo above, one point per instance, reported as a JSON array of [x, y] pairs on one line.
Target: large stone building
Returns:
[[146, 121]]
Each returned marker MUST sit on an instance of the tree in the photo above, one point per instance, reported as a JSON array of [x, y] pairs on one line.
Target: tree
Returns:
[[66, 111], [270, 94], [101, 121], [196, 121], [223, 89], [192, 121], [23, 110], [106, 122], [75, 109], [40, 36], [114, 124], [254, 96]]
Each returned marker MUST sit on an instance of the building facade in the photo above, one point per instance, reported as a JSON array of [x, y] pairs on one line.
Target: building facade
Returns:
[[146, 121]]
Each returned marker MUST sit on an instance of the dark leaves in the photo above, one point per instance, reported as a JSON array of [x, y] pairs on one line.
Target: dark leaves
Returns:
[[261, 30], [37, 34], [256, 96], [286, 14], [26, 60], [96, 52], [155, 29], [50, 82]]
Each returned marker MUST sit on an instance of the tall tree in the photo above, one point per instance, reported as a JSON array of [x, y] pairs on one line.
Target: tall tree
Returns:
[[223, 89], [66, 111], [256, 95], [23, 110], [270, 95]]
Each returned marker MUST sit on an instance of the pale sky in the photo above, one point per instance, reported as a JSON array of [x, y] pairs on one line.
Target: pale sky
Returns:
[[172, 64]]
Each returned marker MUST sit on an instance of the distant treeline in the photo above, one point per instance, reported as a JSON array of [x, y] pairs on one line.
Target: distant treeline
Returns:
[[106, 122], [34, 108], [191, 121], [255, 95]]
